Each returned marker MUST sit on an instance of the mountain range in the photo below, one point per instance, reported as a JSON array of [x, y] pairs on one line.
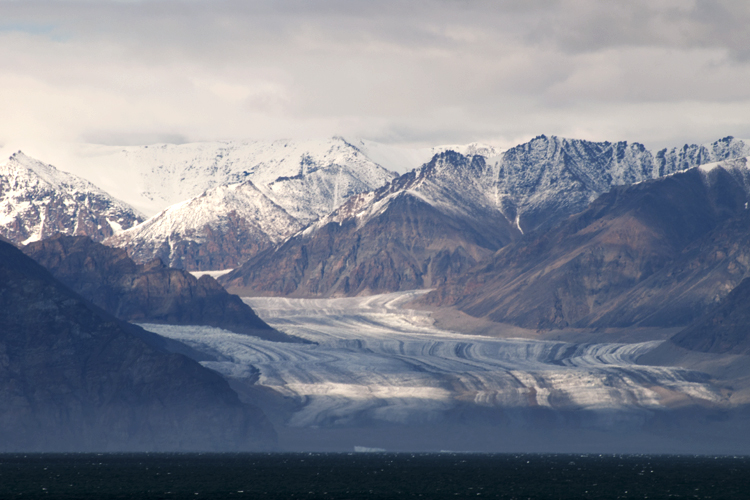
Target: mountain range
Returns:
[[613, 265], [432, 224], [415, 232], [554, 235], [281, 187], [277, 188]]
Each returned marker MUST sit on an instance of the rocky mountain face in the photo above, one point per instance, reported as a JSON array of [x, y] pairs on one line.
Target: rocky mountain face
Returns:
[[549, 178], [578, 273], [415, 232], [690, 285], [725, 329], [220, 229], [37, 201], [669, 161], [148, 293], [74, 378]]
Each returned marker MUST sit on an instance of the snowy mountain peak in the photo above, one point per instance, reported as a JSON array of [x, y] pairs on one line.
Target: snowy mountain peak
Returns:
[[307, 178], [23, 166], [690, 155], [737, 168], [37, 200], [451, 182], [218, 229]]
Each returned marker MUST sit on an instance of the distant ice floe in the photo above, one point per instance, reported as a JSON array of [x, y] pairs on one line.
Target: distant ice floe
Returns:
[[376, 361], [365, 449]]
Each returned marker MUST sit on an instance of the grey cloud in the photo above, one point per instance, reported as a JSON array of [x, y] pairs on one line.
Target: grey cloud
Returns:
[[421, 71]]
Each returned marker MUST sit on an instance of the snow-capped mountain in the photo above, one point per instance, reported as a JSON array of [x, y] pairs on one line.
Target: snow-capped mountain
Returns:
[[417, 231], [658, 253], [304, 180], [402, 159], [668, 161], [308, 179], [407, 233], [549, 178], [219, 229], [37, 201]]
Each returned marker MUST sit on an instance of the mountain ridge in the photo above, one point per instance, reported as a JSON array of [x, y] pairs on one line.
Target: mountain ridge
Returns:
[[37, 200], [574, 274], [219, 229], [148, 293], [529, 188]]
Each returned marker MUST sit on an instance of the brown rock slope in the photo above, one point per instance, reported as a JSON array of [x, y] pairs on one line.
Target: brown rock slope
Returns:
[[725, 329], [417, 231], [74, 378], [691, 285], [575, 274], [146, 293]]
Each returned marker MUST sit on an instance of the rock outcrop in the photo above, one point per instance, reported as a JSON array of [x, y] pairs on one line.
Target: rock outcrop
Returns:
[[148, 293], [74, 378]]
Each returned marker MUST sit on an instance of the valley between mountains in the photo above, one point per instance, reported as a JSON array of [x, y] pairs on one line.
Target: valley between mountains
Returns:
[[562, 295]]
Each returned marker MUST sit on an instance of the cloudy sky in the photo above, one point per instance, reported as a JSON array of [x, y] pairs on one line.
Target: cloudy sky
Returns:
[[421, 72]]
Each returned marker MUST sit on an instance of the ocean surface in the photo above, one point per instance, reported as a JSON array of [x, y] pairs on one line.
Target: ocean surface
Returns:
[[372, 475]]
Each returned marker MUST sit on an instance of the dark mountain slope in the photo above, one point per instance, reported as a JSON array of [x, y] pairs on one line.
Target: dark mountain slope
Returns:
[[415, 232], [74, 378], [572, 275], [145, 293], [698, 278], [724, 330]]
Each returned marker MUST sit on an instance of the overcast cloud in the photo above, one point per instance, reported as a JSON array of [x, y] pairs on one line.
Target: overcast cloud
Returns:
[[662, 72]]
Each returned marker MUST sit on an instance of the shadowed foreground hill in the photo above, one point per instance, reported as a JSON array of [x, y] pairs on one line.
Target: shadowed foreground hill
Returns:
[[74, 378], [150, 293]]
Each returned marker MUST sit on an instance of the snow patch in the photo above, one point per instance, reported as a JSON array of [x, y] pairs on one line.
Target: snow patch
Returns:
[[213, 274]]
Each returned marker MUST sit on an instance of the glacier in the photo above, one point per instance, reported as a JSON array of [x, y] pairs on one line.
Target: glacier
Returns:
[[375, 361]]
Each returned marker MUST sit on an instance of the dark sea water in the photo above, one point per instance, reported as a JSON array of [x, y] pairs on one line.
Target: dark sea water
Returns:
[[371, 475]]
